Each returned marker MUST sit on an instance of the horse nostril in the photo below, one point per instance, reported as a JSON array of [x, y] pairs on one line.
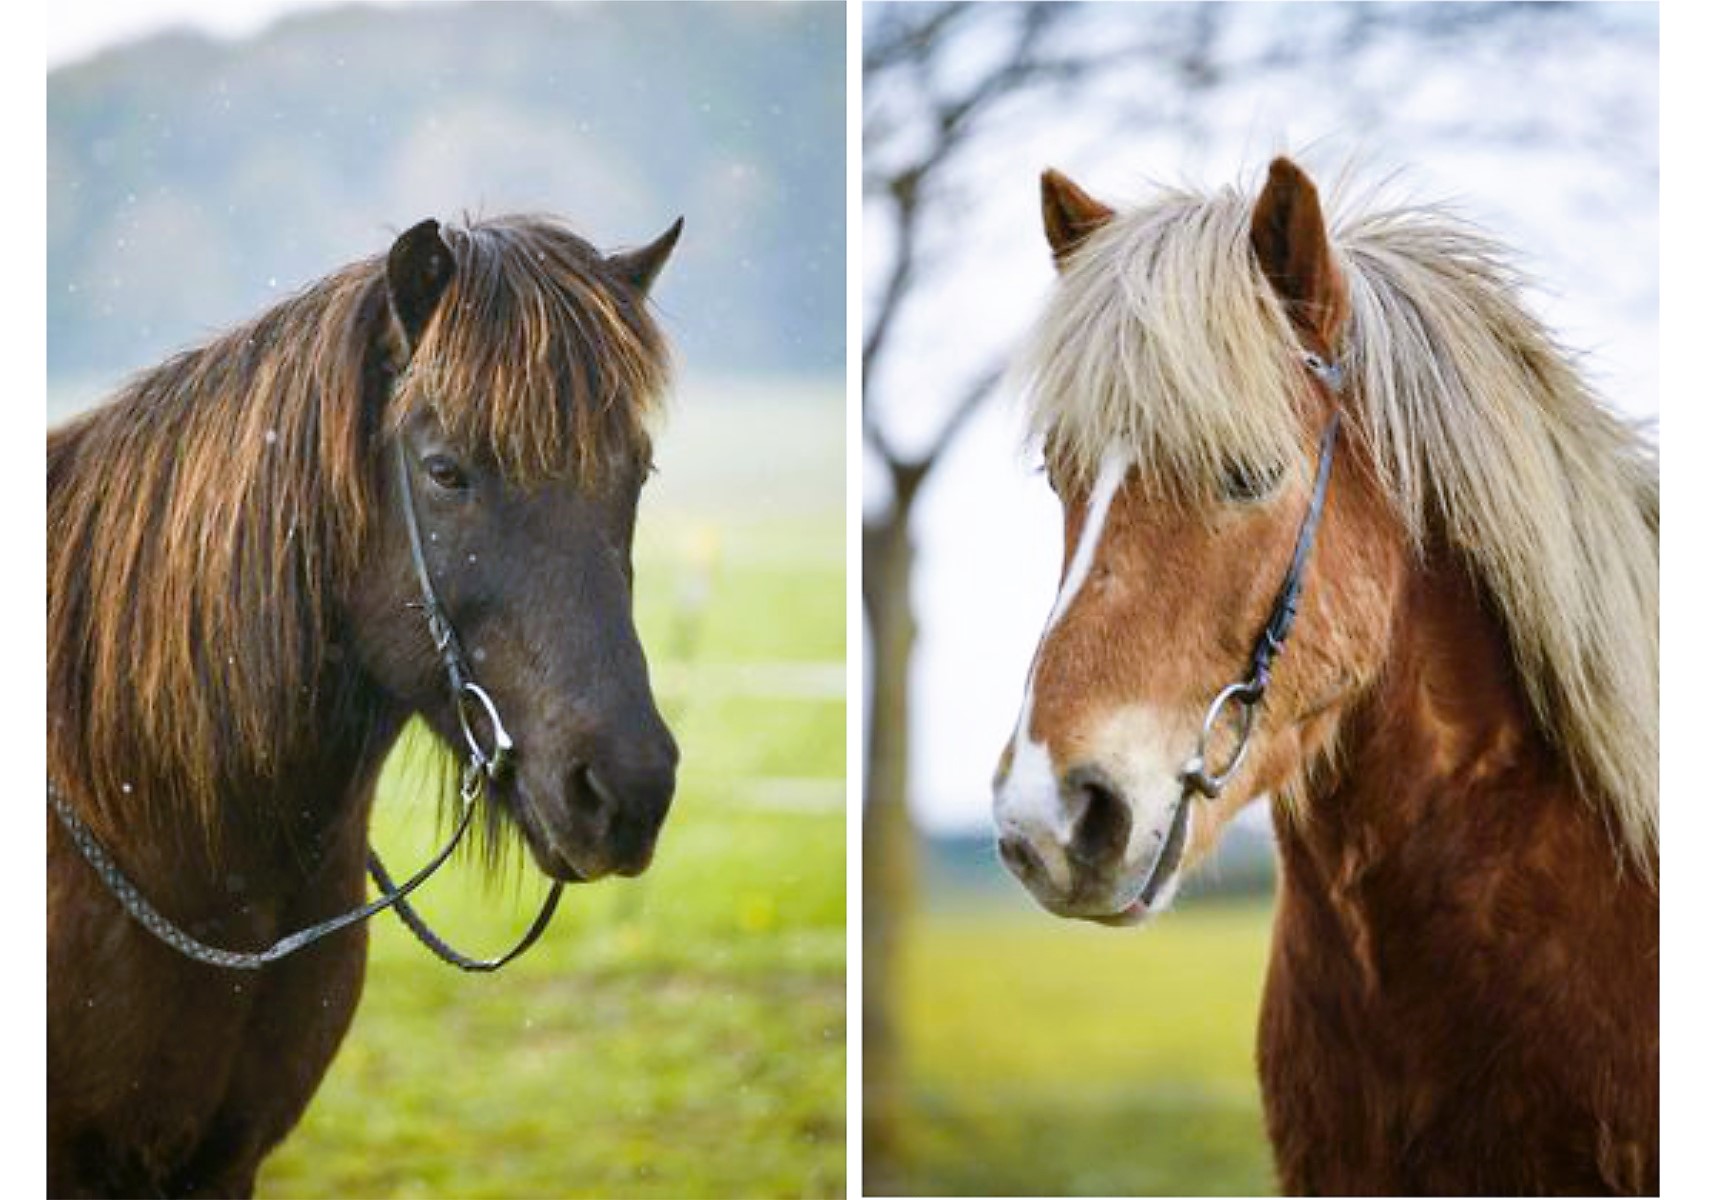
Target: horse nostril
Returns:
[[589, 795], [1018, 857], [1105, 819]]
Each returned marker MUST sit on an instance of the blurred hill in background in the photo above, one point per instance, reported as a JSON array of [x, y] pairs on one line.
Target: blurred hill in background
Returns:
[[192, 181]]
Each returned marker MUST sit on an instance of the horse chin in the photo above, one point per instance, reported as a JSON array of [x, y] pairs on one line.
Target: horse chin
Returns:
[[549, 852], [566, 837], [1136, 913], [552, 863]]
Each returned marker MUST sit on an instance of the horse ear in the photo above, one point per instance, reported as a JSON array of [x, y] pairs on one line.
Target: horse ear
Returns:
[[1294, 251], [1069, 214], [418, 269], [638, 269]]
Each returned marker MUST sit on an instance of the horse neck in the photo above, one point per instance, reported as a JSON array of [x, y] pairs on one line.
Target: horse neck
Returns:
[[1448, 818], [173, 814], [277, 832], [321, 792]]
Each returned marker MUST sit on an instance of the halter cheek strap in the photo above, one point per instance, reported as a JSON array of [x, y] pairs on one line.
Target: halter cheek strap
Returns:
[[1247, 693], [1288, 603], [493, 755]]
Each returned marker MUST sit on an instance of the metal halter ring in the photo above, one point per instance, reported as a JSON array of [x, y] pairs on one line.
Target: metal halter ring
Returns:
[[493, 763], [1196, 776]]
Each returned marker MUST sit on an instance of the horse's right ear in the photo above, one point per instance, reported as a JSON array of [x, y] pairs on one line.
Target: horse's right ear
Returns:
[[1294, 251], [418, 269], [639, 268], [1069, 214]]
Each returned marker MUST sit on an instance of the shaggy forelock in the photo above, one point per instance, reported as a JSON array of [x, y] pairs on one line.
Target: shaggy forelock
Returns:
[[1158, 340], [537, 356]]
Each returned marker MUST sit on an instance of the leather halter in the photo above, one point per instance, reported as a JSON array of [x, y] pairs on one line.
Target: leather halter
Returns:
[[490, 760], [1247, 693]]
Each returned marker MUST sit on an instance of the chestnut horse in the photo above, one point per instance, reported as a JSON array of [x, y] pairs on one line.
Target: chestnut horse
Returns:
[[236, 639], [1246, 415]]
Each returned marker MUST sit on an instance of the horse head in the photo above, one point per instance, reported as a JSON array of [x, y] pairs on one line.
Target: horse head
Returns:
[[513, 444], [1183, 380]]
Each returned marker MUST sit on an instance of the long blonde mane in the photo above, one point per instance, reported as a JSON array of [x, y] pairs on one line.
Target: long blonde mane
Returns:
[[1163, 336]]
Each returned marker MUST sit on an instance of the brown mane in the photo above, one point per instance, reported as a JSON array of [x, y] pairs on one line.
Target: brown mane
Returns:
[[203, 523]]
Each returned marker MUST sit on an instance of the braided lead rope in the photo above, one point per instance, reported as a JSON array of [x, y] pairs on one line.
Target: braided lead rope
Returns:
[[165, 930], [443, 949]]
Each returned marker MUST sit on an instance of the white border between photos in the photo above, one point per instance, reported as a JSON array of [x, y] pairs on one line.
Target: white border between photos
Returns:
[[24, 326], [853, 720], [1698, 625]]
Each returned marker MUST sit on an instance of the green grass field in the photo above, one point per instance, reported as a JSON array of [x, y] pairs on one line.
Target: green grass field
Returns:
[[1056, 1058], [681, 1034]]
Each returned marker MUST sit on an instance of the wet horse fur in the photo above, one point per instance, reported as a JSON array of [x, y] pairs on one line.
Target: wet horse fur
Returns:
[[232, 656]]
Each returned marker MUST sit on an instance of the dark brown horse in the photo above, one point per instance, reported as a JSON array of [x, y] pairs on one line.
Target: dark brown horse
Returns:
[[1459, 737], [234, 644]]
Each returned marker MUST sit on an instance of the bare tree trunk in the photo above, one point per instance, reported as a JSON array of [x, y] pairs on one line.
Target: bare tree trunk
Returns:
[[889, 846]]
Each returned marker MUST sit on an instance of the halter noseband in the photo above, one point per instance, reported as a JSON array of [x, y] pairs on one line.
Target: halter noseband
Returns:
[[490, 761], [1248, 692]]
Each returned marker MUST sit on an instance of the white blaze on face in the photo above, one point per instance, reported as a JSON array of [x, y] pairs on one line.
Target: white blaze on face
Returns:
[[1027, 801]]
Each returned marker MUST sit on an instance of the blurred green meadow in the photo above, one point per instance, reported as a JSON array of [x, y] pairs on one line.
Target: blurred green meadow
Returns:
[[1048, 1057], [681, 1034]]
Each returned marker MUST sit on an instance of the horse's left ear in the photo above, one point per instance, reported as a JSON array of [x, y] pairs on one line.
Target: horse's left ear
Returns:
[[1290, 241], [1069, 215], [418, 269], [638, 269]]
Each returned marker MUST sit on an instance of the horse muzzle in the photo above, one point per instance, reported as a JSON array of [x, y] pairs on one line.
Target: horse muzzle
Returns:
[[1085, 848], [597, 816]]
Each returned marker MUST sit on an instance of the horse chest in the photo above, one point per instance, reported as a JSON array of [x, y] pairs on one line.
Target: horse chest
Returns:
[[1429, 1068], [163, 1069]]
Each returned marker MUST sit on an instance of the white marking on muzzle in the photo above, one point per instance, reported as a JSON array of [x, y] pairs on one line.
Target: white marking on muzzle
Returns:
[[1028, 802]]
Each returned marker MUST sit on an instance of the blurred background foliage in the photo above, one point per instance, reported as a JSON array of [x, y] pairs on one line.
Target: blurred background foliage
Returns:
[[678, 1034]]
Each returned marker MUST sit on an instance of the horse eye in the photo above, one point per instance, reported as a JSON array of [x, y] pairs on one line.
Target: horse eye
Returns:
[[445, 472], [1244, 484]]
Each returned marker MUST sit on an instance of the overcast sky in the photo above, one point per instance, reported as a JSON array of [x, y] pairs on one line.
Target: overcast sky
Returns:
[[80, 28]]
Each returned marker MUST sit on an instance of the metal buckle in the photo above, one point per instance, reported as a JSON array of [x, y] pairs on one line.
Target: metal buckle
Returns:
[[1196, 775], [494, 763]]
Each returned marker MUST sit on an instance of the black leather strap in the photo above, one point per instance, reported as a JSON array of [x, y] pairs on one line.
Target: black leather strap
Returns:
[[1246, 694], [440, 629], [1288, 603]]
